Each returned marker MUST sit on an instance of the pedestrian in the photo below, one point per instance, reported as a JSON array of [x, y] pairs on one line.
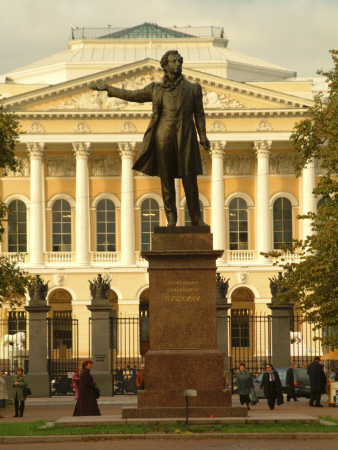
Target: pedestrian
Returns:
[[317, 382], [331, 376], [140, 378], [272, 385], [86, 404], [3, 392], [290, 384], [19, 384], [76, 383], [244, 384]]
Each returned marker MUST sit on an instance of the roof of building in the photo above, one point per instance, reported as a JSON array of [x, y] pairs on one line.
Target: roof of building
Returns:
[[93, 50]]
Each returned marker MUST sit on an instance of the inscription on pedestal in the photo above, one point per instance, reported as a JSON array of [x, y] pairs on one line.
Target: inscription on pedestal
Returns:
[[182, 291]]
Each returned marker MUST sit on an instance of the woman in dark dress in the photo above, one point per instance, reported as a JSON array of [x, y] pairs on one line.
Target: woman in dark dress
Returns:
[[86, 404]]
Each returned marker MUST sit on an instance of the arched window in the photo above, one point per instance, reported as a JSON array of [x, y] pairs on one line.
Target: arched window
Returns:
[[242, 303], [150, 218], [61, 226], [238, 224], [282, 222], [187, 221], [17, 226], [105, 226], [322, 201]]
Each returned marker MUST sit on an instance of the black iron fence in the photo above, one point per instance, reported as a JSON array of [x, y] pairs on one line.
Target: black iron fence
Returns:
[[63, 353], [14, 351], [249, 340], [129, 342], [305, 341]]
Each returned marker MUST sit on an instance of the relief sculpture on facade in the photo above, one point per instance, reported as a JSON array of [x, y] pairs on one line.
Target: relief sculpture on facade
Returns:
[[60, 166], [237, 165], [105, 165], [23, 168], [213, 100], [281, 163]]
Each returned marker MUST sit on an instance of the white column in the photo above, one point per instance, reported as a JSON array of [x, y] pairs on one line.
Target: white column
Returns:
[[217, 195], [127, 203], [263, 229], [36, 151], [82, 150], [308, 200]]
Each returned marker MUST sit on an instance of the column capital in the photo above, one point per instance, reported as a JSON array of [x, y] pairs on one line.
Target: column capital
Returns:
[[127, 149], [81, 149], [217, 148], [36, 150], [262, 148]]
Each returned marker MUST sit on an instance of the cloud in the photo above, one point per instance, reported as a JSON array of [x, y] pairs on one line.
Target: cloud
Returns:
[[295, 34]]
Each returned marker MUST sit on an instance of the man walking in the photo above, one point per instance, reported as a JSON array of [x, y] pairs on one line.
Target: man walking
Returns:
[[170, 147], [290, 384], [317, 381]]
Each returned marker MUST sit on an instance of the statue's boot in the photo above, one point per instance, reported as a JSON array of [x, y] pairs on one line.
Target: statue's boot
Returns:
[[171, 220]]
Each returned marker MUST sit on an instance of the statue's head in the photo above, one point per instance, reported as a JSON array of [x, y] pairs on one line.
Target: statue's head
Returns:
[[172, 62]]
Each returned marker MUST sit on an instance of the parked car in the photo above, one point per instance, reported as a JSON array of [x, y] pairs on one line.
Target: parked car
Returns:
[[302, 382]]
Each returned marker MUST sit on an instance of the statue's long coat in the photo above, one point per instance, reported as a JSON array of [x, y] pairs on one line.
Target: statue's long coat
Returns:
[[189, 107]]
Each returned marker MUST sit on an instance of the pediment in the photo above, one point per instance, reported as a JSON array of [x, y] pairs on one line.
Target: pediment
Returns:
[[219, 94]]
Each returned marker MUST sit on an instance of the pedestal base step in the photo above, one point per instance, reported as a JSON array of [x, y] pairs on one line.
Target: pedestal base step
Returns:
[[179, 412]]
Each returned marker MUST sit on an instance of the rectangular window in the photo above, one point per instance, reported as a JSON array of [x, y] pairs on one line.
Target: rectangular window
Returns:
[[240, 328]]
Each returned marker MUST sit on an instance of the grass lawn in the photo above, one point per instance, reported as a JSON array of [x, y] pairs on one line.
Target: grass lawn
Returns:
[[34, 429]]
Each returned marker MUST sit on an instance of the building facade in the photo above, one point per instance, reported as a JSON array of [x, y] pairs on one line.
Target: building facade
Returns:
[[78, 209]]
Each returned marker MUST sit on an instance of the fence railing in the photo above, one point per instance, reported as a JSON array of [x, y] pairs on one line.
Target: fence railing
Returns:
[[16, 258], [14, 342], [305, 342], [63, 353], [241, 256], [249, 341], [105, 257], [129, 342]]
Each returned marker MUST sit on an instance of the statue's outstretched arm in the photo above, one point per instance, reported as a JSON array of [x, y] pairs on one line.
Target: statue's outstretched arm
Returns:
[[139, 95]]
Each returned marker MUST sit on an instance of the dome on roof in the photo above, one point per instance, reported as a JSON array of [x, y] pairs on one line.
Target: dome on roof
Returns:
[[94, 50]]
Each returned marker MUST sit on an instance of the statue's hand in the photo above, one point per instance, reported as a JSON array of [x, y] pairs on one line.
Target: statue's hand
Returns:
[[205, 143], [99, 86]]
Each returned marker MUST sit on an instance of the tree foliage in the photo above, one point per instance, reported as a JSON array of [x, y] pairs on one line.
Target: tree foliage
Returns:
[[13, 280], [312, 282]]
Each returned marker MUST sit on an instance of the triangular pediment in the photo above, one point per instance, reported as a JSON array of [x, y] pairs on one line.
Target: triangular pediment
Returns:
[[218, 93]]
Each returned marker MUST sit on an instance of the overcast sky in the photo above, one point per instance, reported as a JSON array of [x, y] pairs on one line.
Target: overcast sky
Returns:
[[295, 34]]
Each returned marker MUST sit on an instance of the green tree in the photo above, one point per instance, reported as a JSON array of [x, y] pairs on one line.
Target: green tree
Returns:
[[13, 280], [312, 283]]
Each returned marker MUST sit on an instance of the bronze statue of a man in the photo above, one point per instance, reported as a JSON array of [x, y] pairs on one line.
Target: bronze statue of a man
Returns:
[[170, 147]]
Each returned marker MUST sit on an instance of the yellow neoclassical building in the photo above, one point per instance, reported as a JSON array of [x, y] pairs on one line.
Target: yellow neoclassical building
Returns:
[[77, 207]]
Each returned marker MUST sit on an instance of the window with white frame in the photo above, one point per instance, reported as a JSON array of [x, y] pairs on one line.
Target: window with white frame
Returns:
[[17, 226], [187, 220], [105, 226], [150, 218], [61, 226], [282, 222], [238, 224]]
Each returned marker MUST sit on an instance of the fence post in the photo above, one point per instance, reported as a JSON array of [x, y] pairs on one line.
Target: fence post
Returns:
[[38, 377], [281, 316], [222, 307], [100, 339]]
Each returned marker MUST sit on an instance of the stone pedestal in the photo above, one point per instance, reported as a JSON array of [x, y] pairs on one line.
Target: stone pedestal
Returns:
[[183, 350], [280, 334], [222, 330], [38, 377], [100, 348], [100, 338]]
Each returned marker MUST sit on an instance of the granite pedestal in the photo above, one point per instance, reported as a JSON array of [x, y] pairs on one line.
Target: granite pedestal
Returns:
[[183, 351]]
